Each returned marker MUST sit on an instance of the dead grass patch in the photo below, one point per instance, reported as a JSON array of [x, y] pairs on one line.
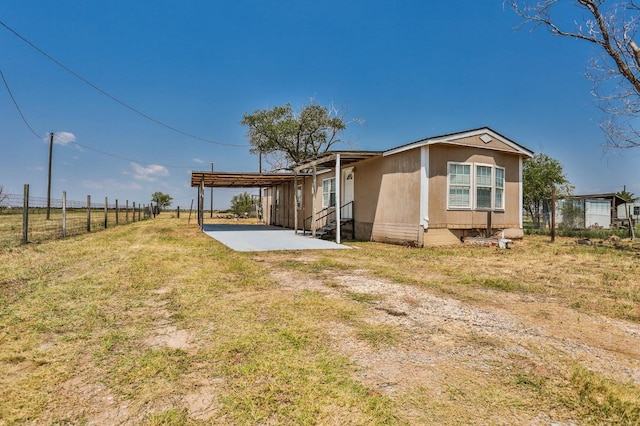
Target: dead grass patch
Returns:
[[155, 323]]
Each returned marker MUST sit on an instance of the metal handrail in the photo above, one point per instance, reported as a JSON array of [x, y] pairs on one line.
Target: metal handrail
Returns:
[[346, 212]]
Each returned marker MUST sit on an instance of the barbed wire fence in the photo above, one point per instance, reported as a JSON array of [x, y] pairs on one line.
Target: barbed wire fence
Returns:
[[25, 219]]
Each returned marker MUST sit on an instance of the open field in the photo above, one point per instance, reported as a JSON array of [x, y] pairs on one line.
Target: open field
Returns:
[[155, 323], [41, 229]]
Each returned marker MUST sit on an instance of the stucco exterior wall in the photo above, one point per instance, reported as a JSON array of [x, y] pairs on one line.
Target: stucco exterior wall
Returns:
[[387, 198], [441, 217]]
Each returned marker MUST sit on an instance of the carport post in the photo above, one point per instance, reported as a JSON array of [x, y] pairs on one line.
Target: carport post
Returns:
[[201, 205], [295, 202], [338, 198], [313, 202]]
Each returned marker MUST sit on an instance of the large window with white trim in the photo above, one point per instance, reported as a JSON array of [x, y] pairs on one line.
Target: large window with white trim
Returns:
[[328, 192], [475, 186]]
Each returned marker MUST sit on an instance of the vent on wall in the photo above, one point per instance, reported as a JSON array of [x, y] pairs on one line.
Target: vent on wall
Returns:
[[486, 138]]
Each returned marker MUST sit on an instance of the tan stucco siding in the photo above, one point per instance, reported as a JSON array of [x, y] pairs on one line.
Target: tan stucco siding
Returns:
[[441, 217], [387, 194], [475, 141]]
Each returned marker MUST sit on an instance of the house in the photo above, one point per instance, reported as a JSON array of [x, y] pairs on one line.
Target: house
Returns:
[[428, 192], [599, 211], [629, 210]]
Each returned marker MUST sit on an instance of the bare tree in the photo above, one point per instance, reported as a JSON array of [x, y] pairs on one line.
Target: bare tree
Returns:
[[3, 195], [615, 73]]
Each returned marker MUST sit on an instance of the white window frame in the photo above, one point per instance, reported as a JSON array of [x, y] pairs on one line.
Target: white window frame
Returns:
[[473, 187], [469, 186], [476, 186], [326, 196], [496, 187]]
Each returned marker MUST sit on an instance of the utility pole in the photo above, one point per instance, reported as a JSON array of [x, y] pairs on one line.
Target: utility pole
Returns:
[[211, 162], [49, 180]]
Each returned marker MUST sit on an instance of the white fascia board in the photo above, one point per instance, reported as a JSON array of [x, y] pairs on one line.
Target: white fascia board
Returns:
[[455, 136]]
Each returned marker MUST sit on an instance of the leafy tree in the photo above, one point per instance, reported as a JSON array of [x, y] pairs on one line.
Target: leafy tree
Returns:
[[241, 203], [572, 211], [628, 197], [162, 200], [611, 26], [540, 175], [285, 138]]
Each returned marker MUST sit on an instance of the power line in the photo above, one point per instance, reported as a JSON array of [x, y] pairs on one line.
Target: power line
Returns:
[[15, 103], [26, 122], [127, 159], [113, 98]]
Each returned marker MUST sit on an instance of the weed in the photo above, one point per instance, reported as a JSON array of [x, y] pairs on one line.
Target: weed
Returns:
[[601, 398], [377, 335]]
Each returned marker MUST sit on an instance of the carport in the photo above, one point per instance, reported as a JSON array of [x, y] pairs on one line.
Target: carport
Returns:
[[252, 237]]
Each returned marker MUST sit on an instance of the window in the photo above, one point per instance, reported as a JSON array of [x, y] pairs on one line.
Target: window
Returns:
[[498, 202], [299, 197], [483, 187], [636, 210], [328, 192], [459, 185], [477, 186]]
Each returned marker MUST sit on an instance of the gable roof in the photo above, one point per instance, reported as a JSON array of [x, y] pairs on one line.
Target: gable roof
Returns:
[[486, 134]]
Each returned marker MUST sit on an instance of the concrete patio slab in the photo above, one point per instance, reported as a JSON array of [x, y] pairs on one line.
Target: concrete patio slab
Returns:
[[265, 238]]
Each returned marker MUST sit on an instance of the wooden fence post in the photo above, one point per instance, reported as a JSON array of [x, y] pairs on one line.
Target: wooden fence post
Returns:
[[126, 212], [178, 212], [116, 211], [25, 215], [106, 212]]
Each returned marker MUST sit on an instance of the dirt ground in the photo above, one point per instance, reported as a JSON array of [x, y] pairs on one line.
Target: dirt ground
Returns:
[[448, 350], [449, 344]]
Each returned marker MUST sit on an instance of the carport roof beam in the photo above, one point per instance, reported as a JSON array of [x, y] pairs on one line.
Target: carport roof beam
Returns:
[[240, 179]]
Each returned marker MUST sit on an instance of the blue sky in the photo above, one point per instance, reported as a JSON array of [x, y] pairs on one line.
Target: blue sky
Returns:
[[409, 69]]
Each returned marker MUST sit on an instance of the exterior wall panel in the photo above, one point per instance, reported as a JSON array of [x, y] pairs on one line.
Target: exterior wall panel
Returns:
[[441, 217]]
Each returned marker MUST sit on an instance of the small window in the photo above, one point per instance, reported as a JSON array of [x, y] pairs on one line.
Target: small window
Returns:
[[483, 187], [328, 192], [499, 185], [299, 197], [636, 210], [459, 185]]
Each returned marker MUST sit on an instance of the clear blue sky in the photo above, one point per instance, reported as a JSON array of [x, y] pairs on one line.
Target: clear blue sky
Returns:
[[410, 69]]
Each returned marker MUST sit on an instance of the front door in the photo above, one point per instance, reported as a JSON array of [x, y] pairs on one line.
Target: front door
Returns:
[[348, 177]]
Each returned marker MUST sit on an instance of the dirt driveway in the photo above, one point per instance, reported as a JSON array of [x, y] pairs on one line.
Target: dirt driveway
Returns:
[[467, 351]]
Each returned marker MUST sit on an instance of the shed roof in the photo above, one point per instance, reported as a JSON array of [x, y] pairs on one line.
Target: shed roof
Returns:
[[615, 198]]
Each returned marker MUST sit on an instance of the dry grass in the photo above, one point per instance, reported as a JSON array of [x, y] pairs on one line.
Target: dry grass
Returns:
[[155, 323]]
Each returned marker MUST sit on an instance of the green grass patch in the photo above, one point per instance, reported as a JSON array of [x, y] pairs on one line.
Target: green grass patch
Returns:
[[599, 398]]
